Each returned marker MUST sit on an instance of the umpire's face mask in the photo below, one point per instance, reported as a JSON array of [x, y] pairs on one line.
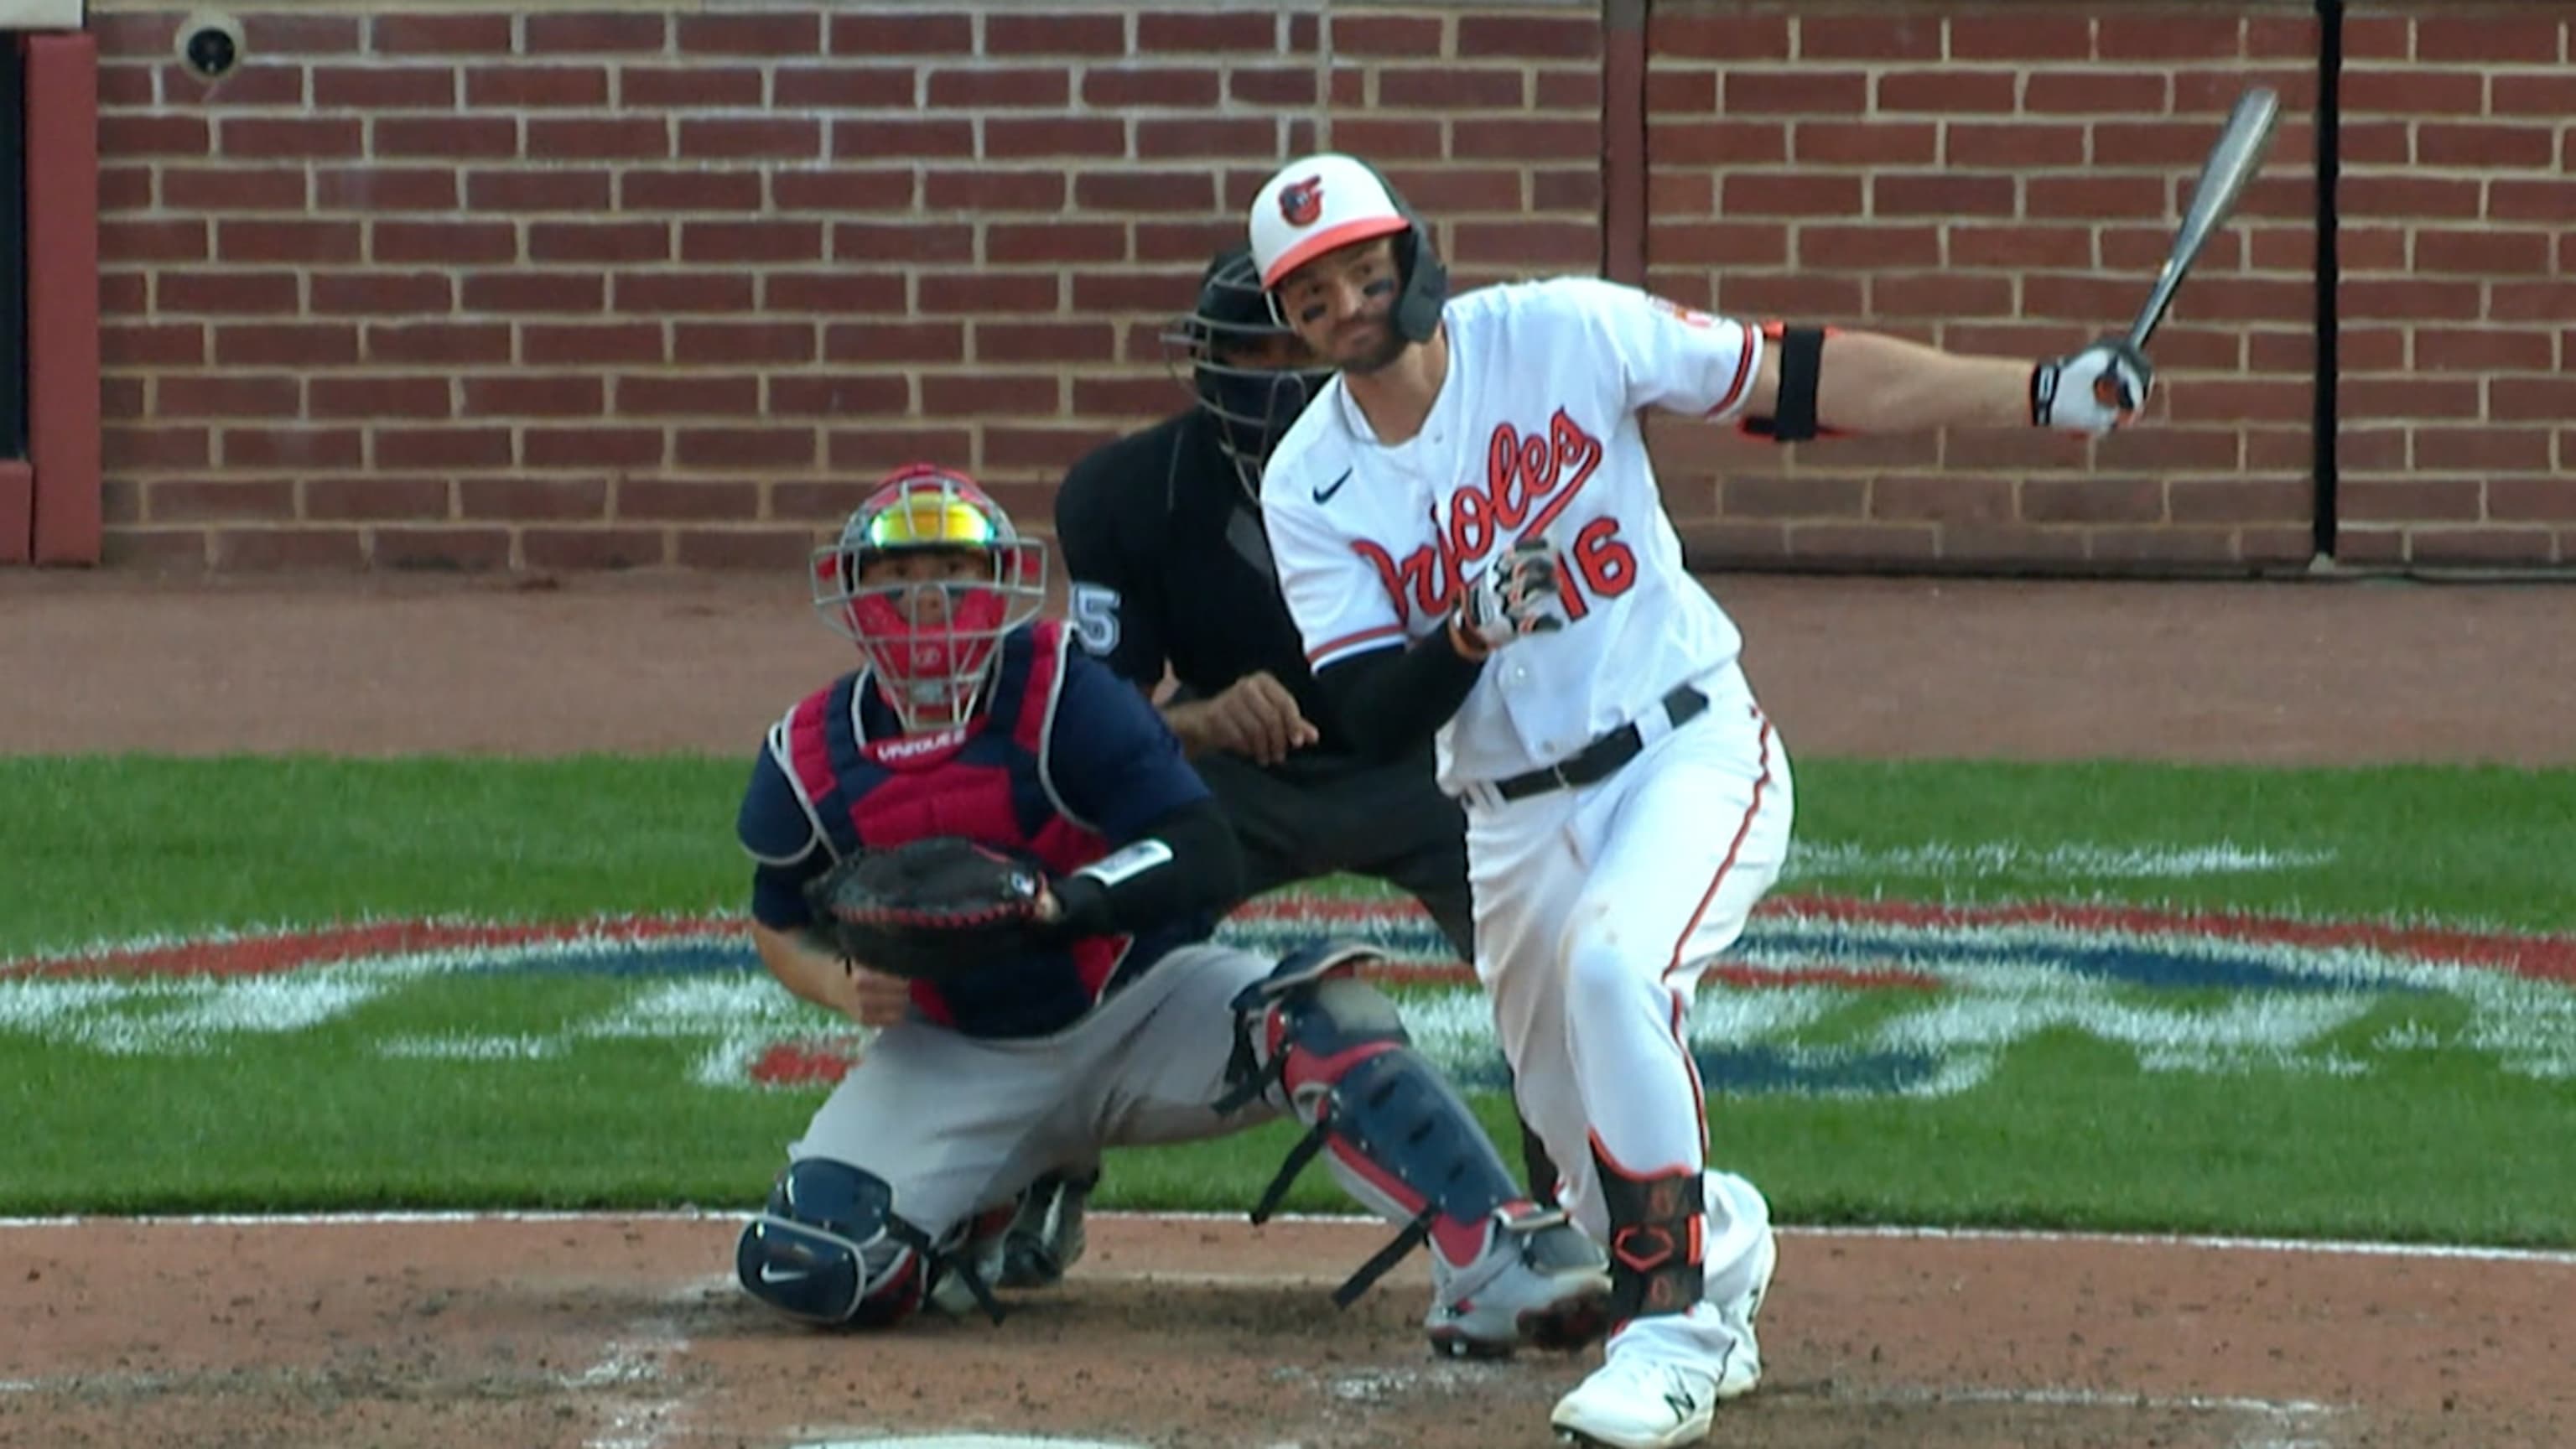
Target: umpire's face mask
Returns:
[[1256, 407], [1254, 400]]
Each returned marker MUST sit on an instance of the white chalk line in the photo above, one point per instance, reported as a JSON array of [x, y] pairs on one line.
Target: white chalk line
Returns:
[[2287, 1423], [638, 1362], [110, 1382], [2109, 1399], [2216, 1243]]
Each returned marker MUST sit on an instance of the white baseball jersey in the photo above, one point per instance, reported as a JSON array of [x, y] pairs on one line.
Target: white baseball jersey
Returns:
[[1535, 431]]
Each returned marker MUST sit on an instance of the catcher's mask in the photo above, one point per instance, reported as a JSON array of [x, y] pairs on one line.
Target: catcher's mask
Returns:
[[1249, 371], [926, 578]]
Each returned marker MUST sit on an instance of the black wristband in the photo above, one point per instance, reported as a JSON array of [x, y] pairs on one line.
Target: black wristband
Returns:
[[1082, 904]]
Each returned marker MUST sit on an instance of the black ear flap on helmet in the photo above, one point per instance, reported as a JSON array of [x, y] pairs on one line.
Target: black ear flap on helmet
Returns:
[[1424, 290]]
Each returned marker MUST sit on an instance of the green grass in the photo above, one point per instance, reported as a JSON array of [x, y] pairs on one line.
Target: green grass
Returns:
[[121, 846], [2463, 846], [294, 1128], [2069, 1137], [117, 847], [2068, 1131], [2066, 1136]]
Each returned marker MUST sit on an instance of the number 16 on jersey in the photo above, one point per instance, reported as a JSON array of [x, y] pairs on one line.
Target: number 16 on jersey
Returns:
[[1599, 563]]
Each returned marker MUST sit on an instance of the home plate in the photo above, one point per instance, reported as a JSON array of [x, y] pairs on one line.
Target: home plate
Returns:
[[965, 1441]]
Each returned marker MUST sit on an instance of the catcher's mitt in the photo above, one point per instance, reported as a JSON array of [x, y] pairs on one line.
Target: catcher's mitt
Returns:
[[930, 909]]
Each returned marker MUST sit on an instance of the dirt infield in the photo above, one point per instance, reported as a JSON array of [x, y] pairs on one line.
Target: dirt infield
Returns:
[[622, 1334], [616, 1334]]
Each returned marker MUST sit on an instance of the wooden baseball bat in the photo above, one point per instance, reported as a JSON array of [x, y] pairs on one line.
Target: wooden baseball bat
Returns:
[[2223, 177]]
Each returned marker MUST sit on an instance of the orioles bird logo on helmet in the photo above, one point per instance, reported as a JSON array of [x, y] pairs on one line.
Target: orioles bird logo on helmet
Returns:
[[1302, 201]]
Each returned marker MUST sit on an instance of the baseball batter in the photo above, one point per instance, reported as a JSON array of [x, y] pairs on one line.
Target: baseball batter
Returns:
[[1113, 1020], [1472, 543]]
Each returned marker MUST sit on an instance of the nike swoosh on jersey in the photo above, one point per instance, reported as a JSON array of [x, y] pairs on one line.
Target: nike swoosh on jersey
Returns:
[[1325, 495]]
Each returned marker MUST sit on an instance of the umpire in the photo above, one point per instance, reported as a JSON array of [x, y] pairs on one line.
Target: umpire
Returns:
[[1162, 539]]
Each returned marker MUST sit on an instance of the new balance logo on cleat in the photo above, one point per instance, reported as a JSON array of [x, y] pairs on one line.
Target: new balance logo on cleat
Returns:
[[1637, 1402]]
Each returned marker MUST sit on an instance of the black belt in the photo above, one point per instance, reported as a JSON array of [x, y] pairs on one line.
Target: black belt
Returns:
[[1602, 758]]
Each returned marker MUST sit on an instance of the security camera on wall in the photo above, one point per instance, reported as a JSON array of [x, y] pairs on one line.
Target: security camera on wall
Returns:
[[210, 45], [40, 15]]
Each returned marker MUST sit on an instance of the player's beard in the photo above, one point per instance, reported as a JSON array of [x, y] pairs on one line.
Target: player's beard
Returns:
[[1390, 346]]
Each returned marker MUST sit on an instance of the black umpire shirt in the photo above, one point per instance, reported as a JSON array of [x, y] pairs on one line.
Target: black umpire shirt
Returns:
[[1169, 563]]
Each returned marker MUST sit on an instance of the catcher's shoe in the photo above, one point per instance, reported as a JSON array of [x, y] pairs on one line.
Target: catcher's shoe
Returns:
[[1046, 1237], [975, 1247], [1539, 1283]]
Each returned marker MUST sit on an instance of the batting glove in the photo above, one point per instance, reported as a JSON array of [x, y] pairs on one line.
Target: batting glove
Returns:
[[2092, 391], [1512, 597]]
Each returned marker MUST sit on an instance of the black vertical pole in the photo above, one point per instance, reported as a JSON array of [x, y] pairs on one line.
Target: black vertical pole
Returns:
[[1623, 141], [2329, 265], [13, 248]]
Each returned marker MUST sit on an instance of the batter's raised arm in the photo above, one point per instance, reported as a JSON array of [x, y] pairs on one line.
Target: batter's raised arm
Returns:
[[1828, 380], [1798, 382]]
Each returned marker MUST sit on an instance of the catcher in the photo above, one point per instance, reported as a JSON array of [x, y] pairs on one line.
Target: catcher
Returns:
[[991, 847]]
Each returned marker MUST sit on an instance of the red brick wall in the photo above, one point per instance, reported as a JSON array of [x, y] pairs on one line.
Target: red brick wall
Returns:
[[554, 289], [561, 290], [1994, 179], [2459, 286], [2006, 177]]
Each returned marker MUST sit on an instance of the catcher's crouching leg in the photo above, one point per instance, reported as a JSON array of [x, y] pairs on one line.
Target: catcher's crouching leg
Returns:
[[828, 1248], [1403, 1142]]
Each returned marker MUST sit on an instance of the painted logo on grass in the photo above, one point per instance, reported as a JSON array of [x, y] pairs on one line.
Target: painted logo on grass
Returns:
[[1821, 997]]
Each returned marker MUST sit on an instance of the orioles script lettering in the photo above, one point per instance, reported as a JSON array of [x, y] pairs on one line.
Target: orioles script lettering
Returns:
[[1529, 479]]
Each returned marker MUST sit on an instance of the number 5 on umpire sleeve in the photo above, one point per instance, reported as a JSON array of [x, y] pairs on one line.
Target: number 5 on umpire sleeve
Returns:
[[1094, 608]]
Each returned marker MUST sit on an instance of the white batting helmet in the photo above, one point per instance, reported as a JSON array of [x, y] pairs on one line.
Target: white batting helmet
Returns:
[[1322, 202]]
